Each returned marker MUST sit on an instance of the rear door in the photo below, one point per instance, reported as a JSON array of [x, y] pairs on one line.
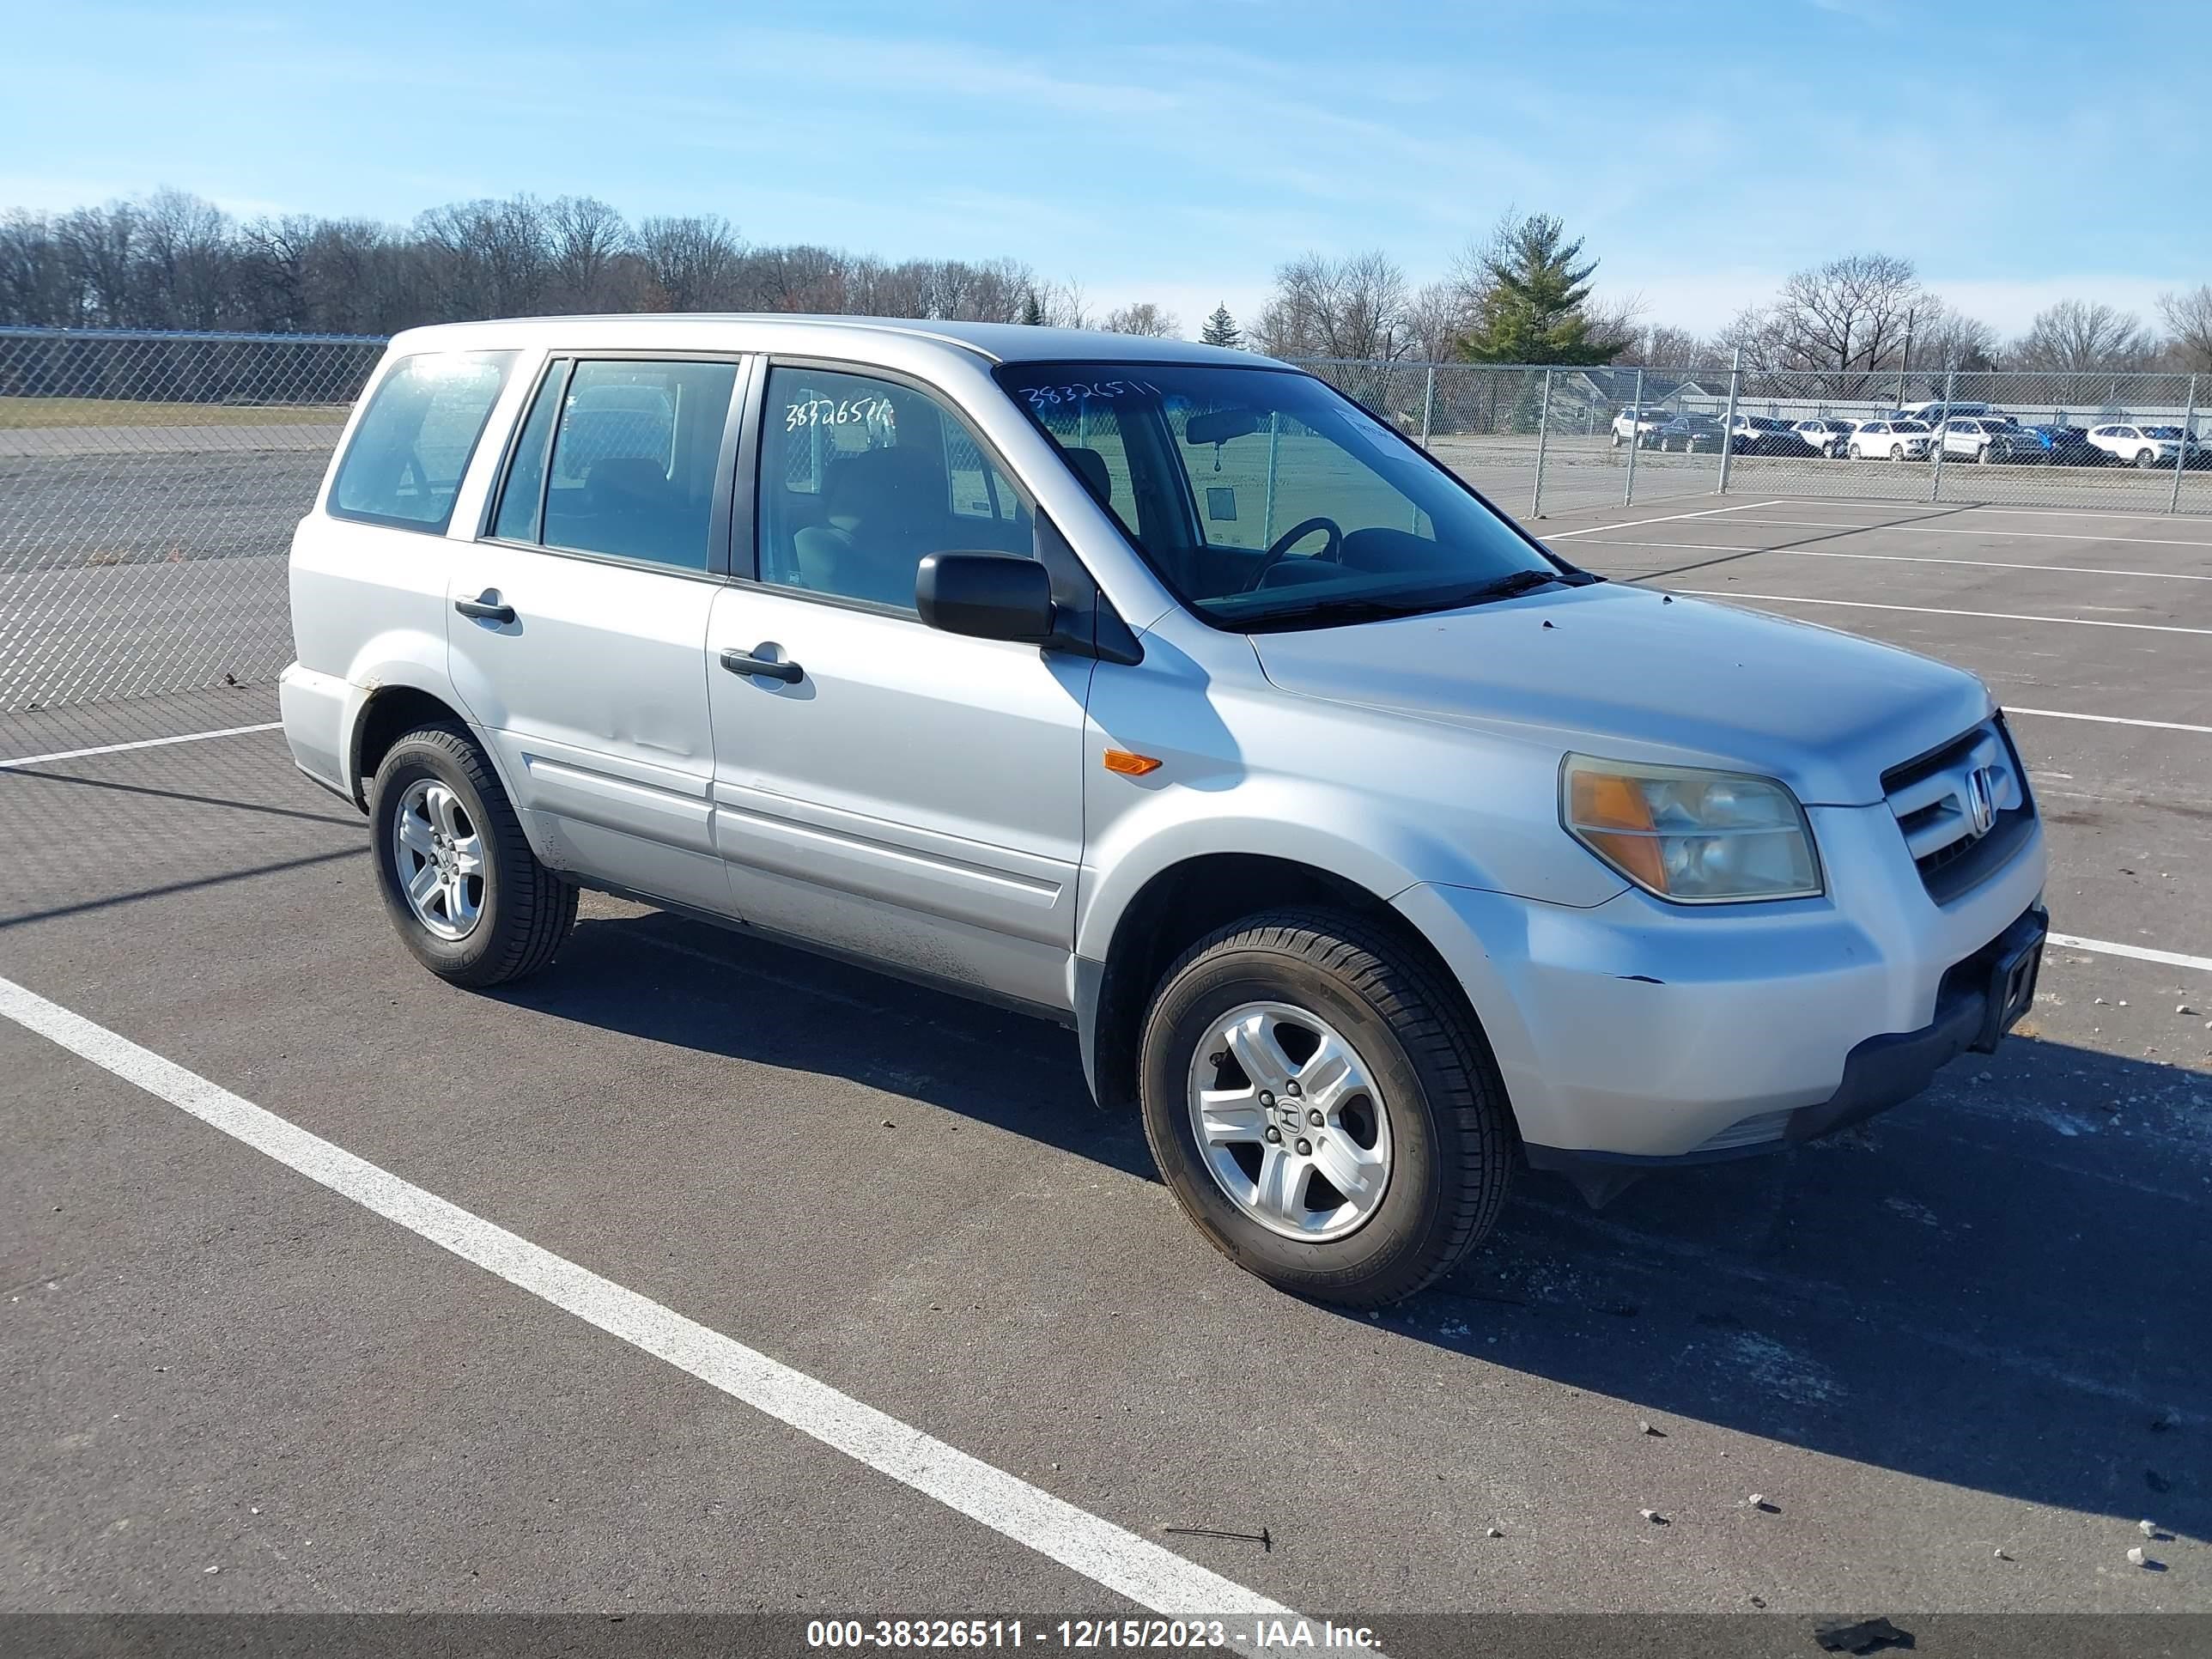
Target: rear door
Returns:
[[577, 624], [908, 796]]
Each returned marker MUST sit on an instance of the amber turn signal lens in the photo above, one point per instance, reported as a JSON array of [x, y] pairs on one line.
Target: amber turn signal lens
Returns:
[[1129, 765]]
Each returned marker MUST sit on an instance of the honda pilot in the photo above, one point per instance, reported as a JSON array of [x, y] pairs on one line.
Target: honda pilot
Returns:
[[1371, 849]]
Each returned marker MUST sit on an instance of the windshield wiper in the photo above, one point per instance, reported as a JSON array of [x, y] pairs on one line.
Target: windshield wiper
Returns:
[[1346, 610], [1508, 586]]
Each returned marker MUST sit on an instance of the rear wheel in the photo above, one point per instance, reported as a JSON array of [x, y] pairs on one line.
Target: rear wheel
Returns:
[[469, 897], [1322, 1108], [1897, 451]]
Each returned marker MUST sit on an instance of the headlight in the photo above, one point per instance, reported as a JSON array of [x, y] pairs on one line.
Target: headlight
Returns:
[[1688, 834]]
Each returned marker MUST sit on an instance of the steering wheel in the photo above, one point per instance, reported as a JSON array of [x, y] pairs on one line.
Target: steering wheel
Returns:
[[1283, 544]]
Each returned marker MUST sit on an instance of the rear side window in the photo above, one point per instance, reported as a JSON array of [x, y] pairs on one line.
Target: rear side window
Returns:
[[413, 443], [634, 451]]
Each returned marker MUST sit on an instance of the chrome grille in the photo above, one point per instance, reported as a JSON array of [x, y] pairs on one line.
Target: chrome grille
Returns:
[[1963, 809]]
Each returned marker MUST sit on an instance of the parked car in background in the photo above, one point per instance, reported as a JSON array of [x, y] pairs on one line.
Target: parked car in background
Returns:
[[1988, 438], [1686, 434], [1830, 435], [1935, 411], [1632, 424], [2069, 446], [2135, 445], [1764, 434], [1889, 441]]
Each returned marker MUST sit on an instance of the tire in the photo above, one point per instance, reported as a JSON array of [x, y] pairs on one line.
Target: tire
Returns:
[[2147, 458], [1434, 1120], [1855, 454], [522, 911], [1982, 456], [1897, 451], [1616, 438]]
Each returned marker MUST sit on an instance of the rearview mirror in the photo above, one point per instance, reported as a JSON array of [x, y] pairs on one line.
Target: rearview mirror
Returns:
[[986, 596], [1221, 425]]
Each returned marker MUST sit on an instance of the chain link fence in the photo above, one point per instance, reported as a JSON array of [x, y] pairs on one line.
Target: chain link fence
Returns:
[[150, 482], [1542, 440], [149, 485]]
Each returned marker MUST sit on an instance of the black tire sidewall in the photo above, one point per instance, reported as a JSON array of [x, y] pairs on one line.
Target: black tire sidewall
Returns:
[[1398, 1236], [417, 756]]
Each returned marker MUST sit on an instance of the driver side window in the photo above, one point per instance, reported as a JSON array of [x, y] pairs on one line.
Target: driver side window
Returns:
[[862, 478]]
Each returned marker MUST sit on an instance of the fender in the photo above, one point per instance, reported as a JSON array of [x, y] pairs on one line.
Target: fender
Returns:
[[400, 659]]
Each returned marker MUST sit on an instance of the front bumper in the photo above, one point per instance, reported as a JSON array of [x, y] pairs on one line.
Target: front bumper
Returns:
[[1635, 1033]]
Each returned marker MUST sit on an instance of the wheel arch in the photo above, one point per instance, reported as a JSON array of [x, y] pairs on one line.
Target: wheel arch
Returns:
[[1179, 904], [387, 712]]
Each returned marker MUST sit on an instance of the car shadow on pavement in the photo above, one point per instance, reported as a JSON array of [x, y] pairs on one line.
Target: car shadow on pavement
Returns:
[[2000, 1285]]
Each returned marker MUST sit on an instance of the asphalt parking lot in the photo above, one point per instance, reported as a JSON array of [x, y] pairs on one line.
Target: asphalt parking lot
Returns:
[[1959, 1352]]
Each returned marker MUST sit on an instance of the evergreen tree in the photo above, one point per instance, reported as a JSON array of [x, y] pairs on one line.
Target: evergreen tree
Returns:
[[1032, 308], [1221, 330], [1530, 310]]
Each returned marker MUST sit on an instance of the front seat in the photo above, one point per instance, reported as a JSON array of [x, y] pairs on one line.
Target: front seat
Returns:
[[1090, 467], [884, 510]]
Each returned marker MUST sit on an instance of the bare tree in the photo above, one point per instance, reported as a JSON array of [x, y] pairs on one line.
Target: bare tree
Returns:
[[1849, 314], [1661, 346], [1437, 319], [1142, 317], [100, 249], [2079, 334], [588, 247], [2188, 317], [1352, 307]]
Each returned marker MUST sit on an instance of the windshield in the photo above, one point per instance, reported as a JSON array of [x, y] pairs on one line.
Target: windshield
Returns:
[[1909, 426], [2161, 432], [1265, 499]]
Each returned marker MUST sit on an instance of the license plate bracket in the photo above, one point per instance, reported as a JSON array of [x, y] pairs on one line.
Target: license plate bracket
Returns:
[[2011, 991]]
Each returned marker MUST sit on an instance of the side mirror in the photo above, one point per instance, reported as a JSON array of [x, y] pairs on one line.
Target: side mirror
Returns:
[[986, 596]]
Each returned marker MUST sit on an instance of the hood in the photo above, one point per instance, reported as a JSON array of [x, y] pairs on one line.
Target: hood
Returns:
[[1621, 672]]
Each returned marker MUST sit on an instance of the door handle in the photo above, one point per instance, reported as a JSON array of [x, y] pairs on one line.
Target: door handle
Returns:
[[747, 662], [486, 608]]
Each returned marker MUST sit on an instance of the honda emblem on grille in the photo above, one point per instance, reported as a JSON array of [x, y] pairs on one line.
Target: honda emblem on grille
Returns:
[[1982, 799]]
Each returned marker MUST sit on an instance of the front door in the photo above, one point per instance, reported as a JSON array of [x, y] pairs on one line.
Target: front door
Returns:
[[910, 796], [578, 627]]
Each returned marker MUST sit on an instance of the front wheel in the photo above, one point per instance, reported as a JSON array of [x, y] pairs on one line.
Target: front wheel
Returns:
[[469, 897], [1323, 1109], [2147, 458]]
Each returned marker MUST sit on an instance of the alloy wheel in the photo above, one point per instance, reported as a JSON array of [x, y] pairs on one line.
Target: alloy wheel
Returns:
[[440, 856], [1289, 1122]]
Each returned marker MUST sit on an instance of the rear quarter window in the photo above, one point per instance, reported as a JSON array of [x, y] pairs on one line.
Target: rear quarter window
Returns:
[[411, 446]]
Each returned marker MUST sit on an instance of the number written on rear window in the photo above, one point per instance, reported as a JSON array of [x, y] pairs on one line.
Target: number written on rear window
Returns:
[[412, 444]]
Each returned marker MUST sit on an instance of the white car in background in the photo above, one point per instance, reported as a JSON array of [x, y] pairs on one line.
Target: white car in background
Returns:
[[2144, 446], [1634, 425], [1828, 434], [1893, 440]]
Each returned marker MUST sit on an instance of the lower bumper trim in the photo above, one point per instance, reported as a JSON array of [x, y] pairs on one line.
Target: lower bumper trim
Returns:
[[1981, 998]]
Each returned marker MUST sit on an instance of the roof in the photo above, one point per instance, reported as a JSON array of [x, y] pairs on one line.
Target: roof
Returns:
[[1004, 342]]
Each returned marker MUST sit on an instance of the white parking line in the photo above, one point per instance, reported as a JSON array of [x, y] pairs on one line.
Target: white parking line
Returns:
[[2108, 719], [1935, 610], [2140, 953], [1871, 503], [1670, 517], [1107, 1554], [142, 743], [1960, 529], [1908, 558]]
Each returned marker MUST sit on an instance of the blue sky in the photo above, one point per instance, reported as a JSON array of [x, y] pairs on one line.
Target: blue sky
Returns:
[[1177, 152]]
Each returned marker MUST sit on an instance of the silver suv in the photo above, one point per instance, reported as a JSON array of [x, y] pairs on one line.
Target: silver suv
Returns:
[[1369, 846]]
